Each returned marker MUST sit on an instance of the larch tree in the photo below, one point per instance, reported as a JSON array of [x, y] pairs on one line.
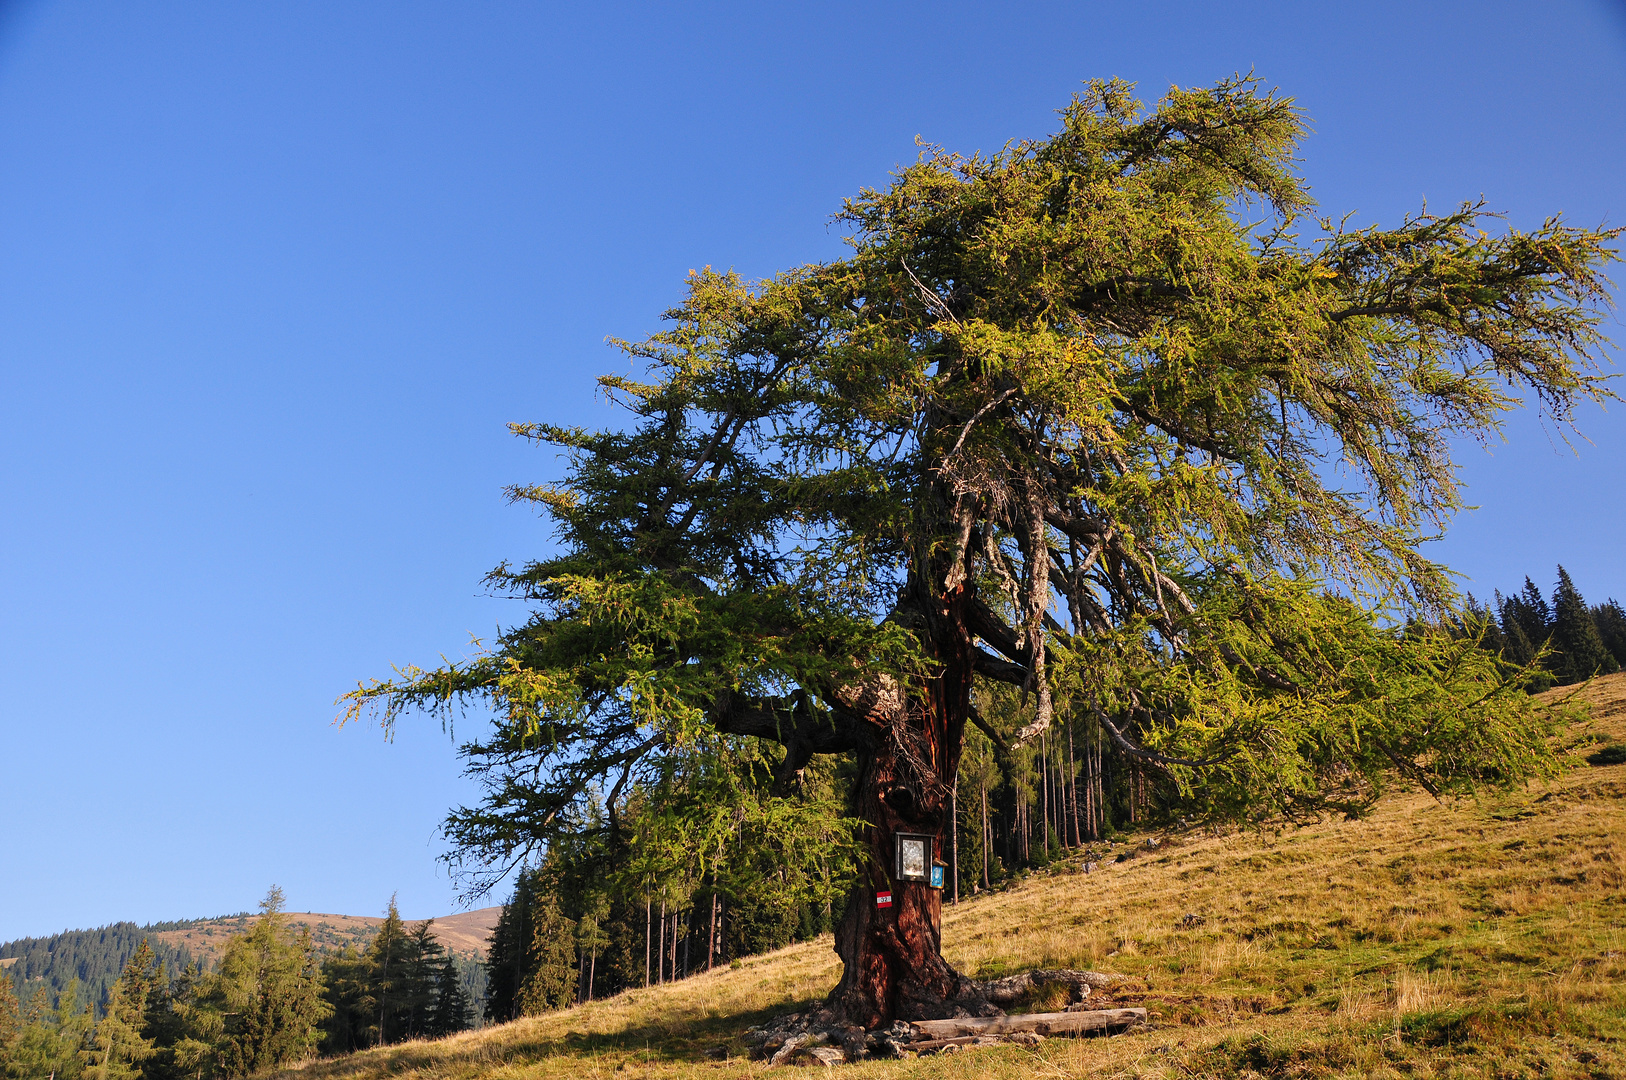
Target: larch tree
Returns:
[[263, 1006], [1107, 417], [120, 1047]]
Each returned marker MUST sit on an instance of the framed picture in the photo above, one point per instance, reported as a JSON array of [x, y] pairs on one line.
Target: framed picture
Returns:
[[914, 857]]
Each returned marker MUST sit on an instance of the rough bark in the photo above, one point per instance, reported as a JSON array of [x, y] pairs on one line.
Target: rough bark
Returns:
[[893, 965]]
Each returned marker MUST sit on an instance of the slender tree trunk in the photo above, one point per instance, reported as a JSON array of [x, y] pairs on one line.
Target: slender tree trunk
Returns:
[[1072, 786], [983, 785], [592, 969], [1027, 830], [711, 935], [1044, 794], [954, 824], [660, 952], [1100, 786], [649, 936], [1058, 796]]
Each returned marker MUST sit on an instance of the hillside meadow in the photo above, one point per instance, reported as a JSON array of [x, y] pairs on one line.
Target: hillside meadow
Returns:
[[464, 933], [1472, 939]]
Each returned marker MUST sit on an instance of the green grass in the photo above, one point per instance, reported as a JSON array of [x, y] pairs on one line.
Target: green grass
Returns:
[[1476, 939]]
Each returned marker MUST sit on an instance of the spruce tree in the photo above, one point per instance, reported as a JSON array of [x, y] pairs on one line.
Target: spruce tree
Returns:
[[347, 989], [550, 975], [1518, 648], [507, 951], [452, 1009], [1533, 614], [172, 1021], [1581, 653], [1610, 618], [1480, 623], [418, 994]]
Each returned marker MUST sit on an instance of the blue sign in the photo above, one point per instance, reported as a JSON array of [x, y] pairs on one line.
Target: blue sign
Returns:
[[937, 877]]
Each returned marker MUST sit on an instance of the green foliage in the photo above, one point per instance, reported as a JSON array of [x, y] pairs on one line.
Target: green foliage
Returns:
[[262, 1007], [11, 1022], [1613, 754], [50, 1042], [532, 957], [1572, 642], [403, 985], [94, 957], [120, 1047], [1576, 640], [1107, 418]]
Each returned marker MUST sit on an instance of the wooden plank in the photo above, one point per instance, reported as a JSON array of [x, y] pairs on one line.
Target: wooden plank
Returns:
[[1062, 1023]]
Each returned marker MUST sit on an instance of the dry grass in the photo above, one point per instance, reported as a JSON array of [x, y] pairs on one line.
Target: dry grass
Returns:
[[464, 933], [1476, 939]]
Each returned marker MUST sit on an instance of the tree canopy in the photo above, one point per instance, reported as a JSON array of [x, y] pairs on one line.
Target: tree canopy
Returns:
[[1109, 418]]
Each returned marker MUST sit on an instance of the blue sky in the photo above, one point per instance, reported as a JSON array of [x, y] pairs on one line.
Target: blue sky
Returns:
[[274, 277]]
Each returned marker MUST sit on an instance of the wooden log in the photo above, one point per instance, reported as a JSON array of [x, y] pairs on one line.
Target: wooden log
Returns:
[[1006, 990], [1062, 1023]]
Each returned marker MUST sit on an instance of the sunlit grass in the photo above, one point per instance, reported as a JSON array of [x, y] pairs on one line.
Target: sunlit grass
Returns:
[[1470, 939]]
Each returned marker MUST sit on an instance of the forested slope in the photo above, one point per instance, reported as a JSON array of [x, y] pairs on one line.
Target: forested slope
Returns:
[[96, 957]]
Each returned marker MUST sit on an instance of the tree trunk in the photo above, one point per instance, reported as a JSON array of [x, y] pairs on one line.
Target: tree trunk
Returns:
[[983, 785], [893, 965], [711, 935]]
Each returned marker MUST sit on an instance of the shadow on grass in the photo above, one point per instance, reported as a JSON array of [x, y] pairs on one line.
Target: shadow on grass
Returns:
[[672, 1042]]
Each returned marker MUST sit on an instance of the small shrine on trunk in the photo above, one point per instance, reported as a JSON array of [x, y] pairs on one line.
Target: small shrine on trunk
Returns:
[[914, 857]]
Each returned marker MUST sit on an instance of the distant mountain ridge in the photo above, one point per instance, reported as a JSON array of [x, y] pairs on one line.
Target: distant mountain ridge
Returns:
[[463, 934], [96, 957]]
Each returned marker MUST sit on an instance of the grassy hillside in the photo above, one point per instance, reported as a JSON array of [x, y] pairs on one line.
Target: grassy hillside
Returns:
[[1471, 939]]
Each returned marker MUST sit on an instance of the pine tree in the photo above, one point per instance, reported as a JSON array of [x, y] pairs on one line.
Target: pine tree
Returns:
[[1580, 650]]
